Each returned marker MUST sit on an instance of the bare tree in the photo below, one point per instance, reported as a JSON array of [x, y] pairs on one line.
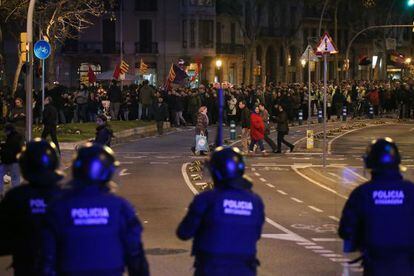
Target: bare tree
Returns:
[[247, 13], [61, 20]]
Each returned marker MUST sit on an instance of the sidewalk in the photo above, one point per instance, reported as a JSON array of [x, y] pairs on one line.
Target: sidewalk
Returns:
[[120, 136]]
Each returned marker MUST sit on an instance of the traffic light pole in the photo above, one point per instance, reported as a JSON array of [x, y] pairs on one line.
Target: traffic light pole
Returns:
[[29, 72], [364, 30]]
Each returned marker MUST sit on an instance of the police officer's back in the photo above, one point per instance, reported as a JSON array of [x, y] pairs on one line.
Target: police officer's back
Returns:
[[378, 218], [23, 209], [225, 222], [91, 231]]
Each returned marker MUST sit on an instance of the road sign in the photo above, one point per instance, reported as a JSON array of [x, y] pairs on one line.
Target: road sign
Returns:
[[42, 49], [326, 45], [309, 54]]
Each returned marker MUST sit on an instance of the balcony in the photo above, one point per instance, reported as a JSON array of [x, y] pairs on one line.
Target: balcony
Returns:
[[91, 47], [229, 49], [146, 47]]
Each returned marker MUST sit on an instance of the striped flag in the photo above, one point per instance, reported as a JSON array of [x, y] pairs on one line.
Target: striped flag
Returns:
[[124, 67], [143, 68], [121, 69]]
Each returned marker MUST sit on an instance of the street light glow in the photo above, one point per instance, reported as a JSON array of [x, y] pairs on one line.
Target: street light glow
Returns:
[[303, 62], [219, 63], [408, 60], [410, 3]]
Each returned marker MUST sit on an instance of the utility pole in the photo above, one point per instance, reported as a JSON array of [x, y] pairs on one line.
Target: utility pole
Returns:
[[29, 71]]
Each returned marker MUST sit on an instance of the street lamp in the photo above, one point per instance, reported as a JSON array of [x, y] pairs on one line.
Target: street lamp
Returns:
[[219, 63], [407, 61], [303, 62], [410, 3]]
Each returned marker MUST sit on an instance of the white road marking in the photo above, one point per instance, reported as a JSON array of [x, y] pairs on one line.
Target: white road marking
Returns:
[[314, 247], [306, 243], [356, 174], [135, 157], [339, 260], [332, 255], [297, 200], [290, 236], [315, 209], [343, 134], [270, 185], [334, 159], [295, 168], [300, 158], [323, 251], [322, 175], [123, 172], [326, 239], [281, 192], [186, 179], [126, 162], [257, 174], [253, 169], [200, 183], [159, 163], [334, 218], [263, 180]]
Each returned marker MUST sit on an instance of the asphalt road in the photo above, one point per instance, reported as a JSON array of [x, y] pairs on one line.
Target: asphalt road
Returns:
[[303, 200]]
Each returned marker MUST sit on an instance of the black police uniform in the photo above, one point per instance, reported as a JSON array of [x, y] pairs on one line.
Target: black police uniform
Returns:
[[226, 224], [22, 211], [378, 220], [91, 231]]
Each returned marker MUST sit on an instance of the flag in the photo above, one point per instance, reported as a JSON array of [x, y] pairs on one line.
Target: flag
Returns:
[[117, 72], [364, 61], [91, 75], [120, 69], [143, 68], [396, 59], [176, 75], [197, 72], [124, 67]]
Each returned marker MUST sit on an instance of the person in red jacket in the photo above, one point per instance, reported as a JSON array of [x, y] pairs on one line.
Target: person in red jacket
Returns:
[[257, 131]]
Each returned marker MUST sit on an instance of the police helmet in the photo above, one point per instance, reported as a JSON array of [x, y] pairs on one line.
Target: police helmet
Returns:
[[39, 161], [226, 164], [94, 164], [382, 154]]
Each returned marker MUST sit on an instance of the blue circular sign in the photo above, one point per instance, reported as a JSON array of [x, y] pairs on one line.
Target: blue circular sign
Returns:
[[42, 49]]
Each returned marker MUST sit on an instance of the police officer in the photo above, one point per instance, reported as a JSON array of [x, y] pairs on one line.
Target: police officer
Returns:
[[378, 217], [91, 231], [225, 222], [22, 211]]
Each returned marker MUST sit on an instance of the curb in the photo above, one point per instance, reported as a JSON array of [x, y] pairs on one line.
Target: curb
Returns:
[[120, 136]]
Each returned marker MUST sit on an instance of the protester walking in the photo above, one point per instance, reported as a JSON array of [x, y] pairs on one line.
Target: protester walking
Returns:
[[245, 125], [257, 131], [282, 129], [50, 117], [104, 133], [160, 112], [201, 129], [266, 120]]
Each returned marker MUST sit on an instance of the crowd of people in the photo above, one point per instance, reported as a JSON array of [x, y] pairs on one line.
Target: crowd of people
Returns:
[[138, 102]]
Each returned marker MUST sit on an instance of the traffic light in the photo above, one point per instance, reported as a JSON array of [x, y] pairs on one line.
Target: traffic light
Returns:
[[23, 47], [410, 3]]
